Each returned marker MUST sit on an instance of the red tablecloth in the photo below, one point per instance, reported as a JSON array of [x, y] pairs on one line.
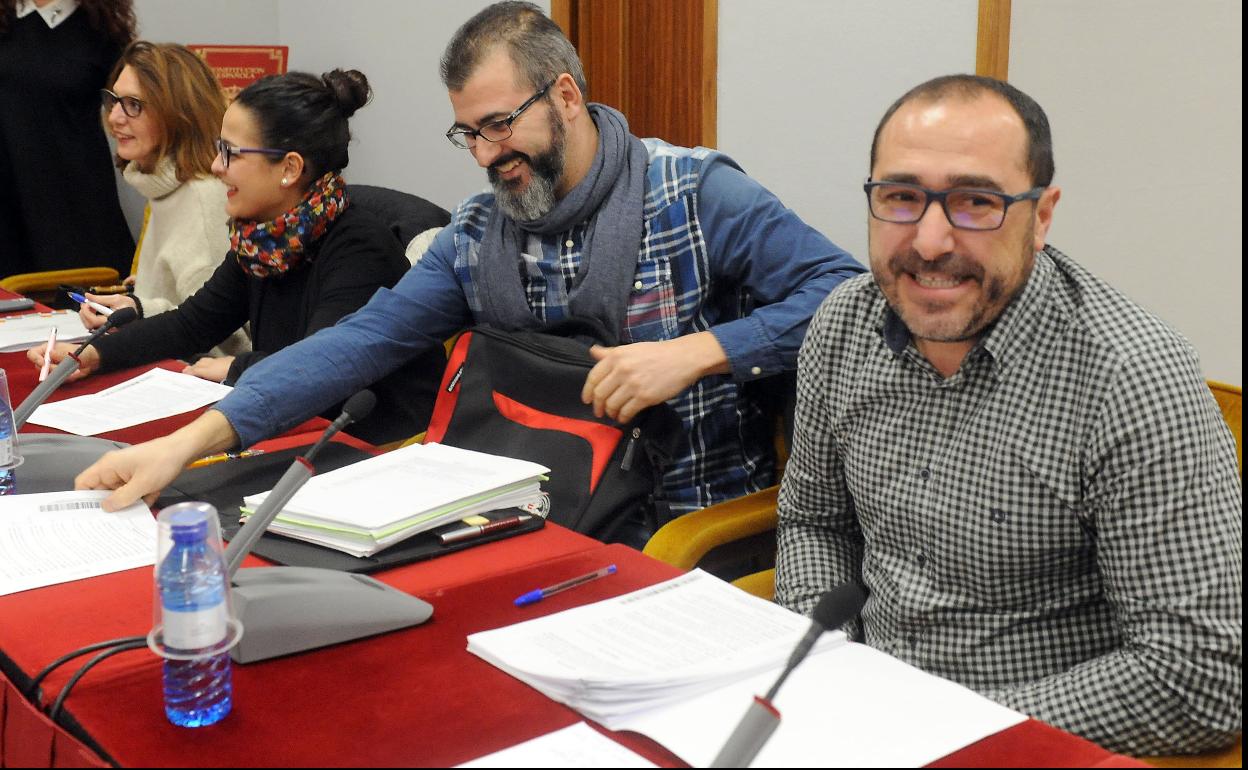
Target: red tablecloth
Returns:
[[413, 697]]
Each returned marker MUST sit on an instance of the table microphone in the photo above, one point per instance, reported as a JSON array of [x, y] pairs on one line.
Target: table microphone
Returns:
[[68, 366], [761, 719], [355, 409]]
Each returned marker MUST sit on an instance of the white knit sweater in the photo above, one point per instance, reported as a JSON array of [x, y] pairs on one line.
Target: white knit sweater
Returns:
[[186, 238]]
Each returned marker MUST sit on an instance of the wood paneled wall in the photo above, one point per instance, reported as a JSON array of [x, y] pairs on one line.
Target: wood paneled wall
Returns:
[[654, 60]]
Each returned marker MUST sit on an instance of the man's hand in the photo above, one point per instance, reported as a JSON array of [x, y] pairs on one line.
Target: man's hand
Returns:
[[629, 378], [210, 368], [88, 362], [93, 320], [143, 470]]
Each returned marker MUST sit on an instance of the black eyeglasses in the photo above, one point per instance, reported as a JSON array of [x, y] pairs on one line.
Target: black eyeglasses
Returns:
[[227, 151], [132, 106], [905, 204], [494, 131]]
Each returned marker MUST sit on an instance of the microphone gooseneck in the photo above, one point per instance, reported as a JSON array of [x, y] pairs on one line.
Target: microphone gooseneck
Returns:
[[357, 407], [67, 366], [761, 718]]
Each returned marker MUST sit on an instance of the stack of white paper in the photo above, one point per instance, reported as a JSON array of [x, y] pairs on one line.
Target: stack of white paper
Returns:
[[55, 537], [26, 331], [655, 646], [681, 662], [375, 503]]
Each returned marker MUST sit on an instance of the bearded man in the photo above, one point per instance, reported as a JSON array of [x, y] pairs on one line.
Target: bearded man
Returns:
[[708, 280]]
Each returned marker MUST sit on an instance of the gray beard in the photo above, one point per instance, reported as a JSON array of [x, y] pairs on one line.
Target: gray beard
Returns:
[[533, 202], [538, 198]]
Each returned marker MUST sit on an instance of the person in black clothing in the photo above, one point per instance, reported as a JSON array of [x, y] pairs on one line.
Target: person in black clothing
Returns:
[[301, 256], [58, 193]]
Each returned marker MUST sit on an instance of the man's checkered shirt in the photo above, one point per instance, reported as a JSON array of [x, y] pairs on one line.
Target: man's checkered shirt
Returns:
[[1057, 525]]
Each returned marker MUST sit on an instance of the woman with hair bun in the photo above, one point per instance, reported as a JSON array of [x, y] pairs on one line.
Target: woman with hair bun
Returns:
[[164, 107], [300, 255]]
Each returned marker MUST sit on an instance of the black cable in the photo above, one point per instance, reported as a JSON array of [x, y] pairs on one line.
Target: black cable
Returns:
[[32, 692], [55, 711]]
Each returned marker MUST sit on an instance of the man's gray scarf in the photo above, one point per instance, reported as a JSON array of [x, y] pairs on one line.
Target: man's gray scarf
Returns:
[[610, 198]]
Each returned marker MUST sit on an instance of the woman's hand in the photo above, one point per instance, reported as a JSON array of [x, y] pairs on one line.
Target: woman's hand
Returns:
[[209, 368], [88, 361], [93, 320]]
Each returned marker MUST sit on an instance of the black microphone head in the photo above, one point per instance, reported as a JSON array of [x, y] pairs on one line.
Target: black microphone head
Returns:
[[839, 605], [122, 316], [358, 406]]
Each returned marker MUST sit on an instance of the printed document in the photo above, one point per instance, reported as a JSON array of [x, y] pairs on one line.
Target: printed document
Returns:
[[153, 395], [658, 645], [852, 706], [56, 537], [576, 746], [366, 506], [681, 661], [26, 331]]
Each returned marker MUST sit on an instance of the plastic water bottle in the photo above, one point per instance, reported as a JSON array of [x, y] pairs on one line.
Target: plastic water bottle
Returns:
[[8, 442], [191, 582]]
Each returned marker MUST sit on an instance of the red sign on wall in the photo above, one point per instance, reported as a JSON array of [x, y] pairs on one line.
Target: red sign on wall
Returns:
[[238, 66]]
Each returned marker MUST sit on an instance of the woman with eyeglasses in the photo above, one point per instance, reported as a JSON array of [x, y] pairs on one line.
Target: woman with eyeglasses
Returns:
[[60, 208], [164, 107], [300, 256]]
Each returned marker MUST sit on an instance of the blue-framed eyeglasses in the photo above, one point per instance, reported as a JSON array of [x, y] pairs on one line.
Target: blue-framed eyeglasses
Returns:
[[227, 151], [495, 130], [966, 209]]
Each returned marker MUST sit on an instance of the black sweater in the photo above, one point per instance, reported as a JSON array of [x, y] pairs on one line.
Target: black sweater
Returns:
[[355, 256]]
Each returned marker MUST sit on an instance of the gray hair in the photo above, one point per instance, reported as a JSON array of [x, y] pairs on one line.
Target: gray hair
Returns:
[[536, 45]]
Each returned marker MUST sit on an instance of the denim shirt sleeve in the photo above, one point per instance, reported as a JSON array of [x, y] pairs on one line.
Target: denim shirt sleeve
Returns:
[[785, 265], [424, 308]]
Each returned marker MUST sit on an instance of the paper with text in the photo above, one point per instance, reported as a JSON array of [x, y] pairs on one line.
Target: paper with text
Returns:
[[56, 537], [153, 395], [851, 706]]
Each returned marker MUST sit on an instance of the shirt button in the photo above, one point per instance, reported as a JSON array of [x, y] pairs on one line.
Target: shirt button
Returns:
[[569, 243], [756, 370], [925, 474], [638, 285], [920, 558]]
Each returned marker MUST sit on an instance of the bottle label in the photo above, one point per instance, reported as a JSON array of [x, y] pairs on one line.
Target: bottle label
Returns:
[[195, 629], [6, 451]]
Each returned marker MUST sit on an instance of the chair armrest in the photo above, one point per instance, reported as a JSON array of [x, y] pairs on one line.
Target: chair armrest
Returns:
[[682, 542], [50, 279]]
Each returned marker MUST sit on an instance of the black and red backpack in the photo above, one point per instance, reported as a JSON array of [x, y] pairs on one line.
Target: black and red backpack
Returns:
[[518, 394]]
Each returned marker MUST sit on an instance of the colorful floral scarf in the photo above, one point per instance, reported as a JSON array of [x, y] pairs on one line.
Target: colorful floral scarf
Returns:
[[265, 249]]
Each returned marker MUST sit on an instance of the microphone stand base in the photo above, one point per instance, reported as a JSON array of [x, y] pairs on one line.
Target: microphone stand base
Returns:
[[51, 461], [285, 610]]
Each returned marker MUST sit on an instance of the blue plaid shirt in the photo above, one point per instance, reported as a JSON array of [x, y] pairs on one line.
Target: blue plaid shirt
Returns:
[[719, 253]]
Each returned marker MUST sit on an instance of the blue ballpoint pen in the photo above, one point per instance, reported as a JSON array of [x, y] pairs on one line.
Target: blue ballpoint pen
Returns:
[[538, 594], [97, 307]]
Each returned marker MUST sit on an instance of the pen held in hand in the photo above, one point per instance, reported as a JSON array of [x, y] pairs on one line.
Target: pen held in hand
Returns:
[[536, 595], [97, 307], [47, 355]]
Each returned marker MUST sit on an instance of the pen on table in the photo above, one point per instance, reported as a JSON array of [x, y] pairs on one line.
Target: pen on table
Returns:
[[538, 594], [214, 459], [97, 307], [480, 530], [47, 355]]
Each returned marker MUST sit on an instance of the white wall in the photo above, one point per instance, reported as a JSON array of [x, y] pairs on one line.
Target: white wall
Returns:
[[398, 138], [802, 84], [1146, 103]]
